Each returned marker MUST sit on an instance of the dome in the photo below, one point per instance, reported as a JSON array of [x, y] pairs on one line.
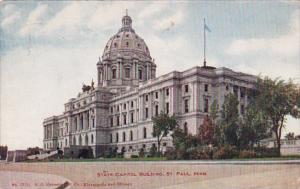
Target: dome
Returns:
[[126, 44]]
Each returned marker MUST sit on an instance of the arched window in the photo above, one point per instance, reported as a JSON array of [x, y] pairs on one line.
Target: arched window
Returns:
[[127, 72], [140, 74], [185, 127], [124, 136], [114, 73], [131, 135], [145, 132], [117, 137], [92, 139]]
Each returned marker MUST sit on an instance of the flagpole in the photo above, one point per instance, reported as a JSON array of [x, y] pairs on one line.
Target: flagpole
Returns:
[[204, 44]]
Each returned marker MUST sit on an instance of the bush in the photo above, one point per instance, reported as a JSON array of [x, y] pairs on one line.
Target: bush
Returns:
[[225, 152], [141, 153], [134, 156], [247, 154], [170, 154], [262, 152], [200, 153]]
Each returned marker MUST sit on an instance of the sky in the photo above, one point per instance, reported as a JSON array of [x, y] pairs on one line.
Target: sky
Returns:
[[49, 48]]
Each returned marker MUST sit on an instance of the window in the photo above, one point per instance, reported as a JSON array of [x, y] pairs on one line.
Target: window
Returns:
[[110, 138], [131, 135], [131, 117], [127, 72], [206, 87], [206, 105], [186, 88], [111, 110], [115, 45], [131, 104], [167, 107], [186, 106], [92, 138], [145, 132], [117, 137], [93, 122], [124, 119], [242, 92], [146, 98], [124, 136], [146, 112], [114, 73], [227, 87], [235, 90], [127, 44], [156, 95], [81, 122], [242, 109], [140, 74], [156, 110], [185, 128], [118, 109], [66, 142], [124, 106], [111, 121], [167, 92], [118, 120]]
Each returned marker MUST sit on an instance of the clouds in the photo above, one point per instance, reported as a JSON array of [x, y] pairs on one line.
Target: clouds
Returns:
[[284, 45], [273, 56], [11, 16], [35, 20]]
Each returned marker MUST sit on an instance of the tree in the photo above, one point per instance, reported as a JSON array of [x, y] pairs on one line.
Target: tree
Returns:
[[206, 131], [290, 136], [228, 125], [162, 125], [254, 127], [277, 99]]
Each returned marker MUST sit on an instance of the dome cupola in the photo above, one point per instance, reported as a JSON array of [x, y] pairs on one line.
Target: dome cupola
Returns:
[[126, 59]]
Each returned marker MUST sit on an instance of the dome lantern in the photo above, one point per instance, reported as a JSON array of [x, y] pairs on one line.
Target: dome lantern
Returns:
[[126, 23]]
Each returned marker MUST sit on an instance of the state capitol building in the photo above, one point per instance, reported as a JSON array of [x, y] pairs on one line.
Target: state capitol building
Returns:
[[116, 111]]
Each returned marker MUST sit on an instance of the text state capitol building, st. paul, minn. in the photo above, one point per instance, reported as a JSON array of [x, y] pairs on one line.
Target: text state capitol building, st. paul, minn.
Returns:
[[117, 111]]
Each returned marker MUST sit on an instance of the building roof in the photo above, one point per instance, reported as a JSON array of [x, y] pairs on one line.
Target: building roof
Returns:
[[126, 43]]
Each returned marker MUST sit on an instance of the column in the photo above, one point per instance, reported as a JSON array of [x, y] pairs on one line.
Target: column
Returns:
[[78, 122], [118, 70], [121, 70], [84, 117], [141, 107]]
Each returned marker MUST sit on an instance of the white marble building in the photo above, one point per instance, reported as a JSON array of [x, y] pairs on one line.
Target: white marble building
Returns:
[[117, 111]]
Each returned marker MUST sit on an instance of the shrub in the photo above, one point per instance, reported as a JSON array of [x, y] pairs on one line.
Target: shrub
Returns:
[[170, 154], [225, 152], [266, 152], [247, 154], [141, 153], [134, 156], [200, 153]]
